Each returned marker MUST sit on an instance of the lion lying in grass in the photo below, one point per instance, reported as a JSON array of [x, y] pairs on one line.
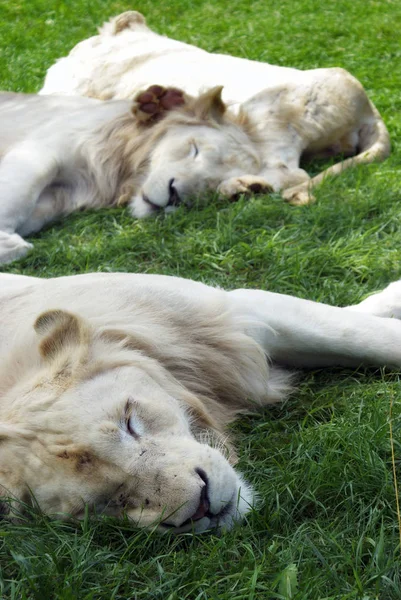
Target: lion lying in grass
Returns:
[[289, 113], [116, 389], [59, 155]]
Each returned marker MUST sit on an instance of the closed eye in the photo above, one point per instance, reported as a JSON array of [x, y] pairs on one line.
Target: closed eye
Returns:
[[195, 150], [131, 428], [133, 425]]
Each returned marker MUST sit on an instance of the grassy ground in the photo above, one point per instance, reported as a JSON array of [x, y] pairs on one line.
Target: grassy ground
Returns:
[[327, 527]]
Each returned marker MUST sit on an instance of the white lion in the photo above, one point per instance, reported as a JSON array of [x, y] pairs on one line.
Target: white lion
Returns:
[[115, 389], [291, 112], [58, 155]]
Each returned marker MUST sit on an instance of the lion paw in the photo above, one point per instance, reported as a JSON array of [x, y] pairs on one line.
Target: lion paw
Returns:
[[247, 184], [298, 198], [386, 303], [152, 104], [391, 300], [12, 247]]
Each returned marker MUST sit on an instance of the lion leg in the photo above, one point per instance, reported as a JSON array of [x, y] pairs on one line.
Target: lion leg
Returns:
[[374, 141], [302, 333], [24, 173]]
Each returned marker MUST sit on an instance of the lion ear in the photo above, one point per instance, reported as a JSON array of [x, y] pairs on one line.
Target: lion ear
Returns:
[[210, 104], [59, 331]]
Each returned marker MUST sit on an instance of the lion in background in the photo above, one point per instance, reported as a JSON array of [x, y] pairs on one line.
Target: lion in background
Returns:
[[292, 113]]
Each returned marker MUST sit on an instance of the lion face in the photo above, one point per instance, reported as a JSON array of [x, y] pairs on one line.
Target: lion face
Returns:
[[101, 427], [195, 154], [190, 161]]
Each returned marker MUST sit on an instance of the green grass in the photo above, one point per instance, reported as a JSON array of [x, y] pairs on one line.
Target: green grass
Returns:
[[326, 527]]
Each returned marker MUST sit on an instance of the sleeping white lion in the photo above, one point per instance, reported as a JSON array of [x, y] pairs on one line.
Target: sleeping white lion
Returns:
[[318, 112], [116, 389], [59, 155]]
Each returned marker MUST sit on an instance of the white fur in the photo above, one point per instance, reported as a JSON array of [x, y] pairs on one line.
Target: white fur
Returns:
[[115, 399]]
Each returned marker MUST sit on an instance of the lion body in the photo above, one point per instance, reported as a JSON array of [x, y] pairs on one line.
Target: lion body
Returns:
[[116, 389], [79, 153]]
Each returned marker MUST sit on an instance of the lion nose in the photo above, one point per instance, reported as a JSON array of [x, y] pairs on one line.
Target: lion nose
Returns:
[[204, 504], [173, 197]]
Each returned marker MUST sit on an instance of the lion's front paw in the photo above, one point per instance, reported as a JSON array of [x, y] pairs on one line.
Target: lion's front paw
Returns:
[[12, 246], [152, 104], [298, 197], [247, 184]]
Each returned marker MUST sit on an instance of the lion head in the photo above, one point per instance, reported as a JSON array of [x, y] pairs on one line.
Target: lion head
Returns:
[[94, 422], [184, 148]]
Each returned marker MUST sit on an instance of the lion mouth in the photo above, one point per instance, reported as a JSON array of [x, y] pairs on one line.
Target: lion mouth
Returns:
[[203, 512], [150, 204]]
